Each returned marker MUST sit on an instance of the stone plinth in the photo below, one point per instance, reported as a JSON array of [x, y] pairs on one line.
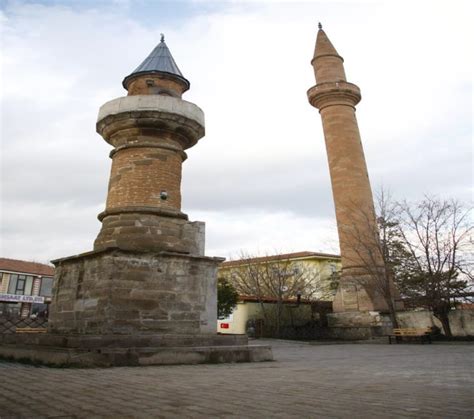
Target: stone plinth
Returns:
[[118, 307], [358, 325], [115, 291]]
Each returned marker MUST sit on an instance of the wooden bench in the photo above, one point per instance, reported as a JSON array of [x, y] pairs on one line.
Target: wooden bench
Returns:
[[410, 333], [30, 330]]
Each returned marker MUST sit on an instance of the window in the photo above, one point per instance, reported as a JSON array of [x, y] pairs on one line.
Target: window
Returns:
[[12, 284], [29, 285], [20, 284], [46, 289], [10, 310]]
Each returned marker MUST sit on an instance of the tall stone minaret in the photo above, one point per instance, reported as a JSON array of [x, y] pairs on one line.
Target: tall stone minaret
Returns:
[[336, 99]]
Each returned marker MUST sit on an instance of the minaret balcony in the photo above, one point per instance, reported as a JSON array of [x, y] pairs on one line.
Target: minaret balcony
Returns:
[[133, 120], [334, 93]]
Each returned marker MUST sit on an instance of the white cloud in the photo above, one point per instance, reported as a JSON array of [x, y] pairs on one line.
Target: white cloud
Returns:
[[260, 233], [260, 175]]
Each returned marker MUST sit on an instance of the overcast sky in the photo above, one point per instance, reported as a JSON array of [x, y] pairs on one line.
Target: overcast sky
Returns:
[[259, 178]]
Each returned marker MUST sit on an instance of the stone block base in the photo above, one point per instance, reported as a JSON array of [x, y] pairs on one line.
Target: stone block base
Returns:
[[356, 319], [357, 292], [356, 333], [358, 325], [109, 350], [116, 291]]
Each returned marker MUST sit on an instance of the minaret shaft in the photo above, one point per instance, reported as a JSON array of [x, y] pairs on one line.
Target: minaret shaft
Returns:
[[139, 174], [350, 184]]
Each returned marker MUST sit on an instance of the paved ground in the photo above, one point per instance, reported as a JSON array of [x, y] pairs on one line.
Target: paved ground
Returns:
[[306, 381]]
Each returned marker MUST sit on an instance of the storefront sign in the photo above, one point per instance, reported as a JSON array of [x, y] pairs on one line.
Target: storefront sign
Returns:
[[13, 298]]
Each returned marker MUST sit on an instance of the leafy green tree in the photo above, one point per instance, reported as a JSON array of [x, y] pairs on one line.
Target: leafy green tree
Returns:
[[227, 298]]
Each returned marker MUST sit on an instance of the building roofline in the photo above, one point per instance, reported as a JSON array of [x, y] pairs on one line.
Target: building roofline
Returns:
[[17, 266], [255, 299], [282, 257]]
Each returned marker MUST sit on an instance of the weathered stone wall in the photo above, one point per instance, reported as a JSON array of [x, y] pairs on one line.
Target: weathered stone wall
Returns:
[[461, 321], [355, 319], [120, 292]]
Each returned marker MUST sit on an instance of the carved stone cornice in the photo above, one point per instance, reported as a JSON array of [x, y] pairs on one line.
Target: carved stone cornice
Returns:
[[155, 112]]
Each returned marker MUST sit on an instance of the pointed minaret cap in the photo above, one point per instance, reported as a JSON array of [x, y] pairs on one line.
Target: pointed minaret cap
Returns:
[[324, 47], [327, 63], [160, 61]]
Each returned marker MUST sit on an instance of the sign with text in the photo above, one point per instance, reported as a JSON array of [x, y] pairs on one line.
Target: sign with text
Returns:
[[13, 298]]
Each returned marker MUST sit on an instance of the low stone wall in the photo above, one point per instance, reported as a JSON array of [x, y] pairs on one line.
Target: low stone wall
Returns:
[[461, 321]]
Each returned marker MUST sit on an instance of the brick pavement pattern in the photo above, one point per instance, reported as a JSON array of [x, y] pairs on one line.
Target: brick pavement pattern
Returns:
[[305, 381]]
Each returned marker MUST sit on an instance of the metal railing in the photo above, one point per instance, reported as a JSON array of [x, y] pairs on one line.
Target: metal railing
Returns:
[[9, 325]]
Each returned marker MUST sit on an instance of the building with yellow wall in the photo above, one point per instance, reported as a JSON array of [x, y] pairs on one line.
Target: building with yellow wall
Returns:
[[286, 282]]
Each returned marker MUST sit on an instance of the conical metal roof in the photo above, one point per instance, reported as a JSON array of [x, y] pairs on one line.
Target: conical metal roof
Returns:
[[159, 61]]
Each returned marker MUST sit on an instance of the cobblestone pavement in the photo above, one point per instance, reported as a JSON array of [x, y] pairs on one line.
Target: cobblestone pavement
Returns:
[[305, 381]]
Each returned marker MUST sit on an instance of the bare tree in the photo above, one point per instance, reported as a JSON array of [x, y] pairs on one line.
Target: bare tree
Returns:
[[438, 235], [278, 278]]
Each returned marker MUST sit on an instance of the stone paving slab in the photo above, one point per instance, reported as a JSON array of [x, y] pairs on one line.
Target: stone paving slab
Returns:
[[305, 381]]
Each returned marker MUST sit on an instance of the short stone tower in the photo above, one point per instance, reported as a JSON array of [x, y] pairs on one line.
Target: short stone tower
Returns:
[[336, 99], [146, 294], [148, 272]]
